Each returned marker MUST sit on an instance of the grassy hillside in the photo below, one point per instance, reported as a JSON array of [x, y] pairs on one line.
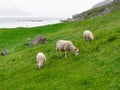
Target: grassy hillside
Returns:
[[98, 11], [96, 68]]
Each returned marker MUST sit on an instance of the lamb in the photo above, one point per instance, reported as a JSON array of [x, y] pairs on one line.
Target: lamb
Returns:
[[88, 35], [40, 58], [66, 46]]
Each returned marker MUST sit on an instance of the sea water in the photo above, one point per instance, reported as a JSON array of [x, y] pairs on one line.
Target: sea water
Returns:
[[13, 22]]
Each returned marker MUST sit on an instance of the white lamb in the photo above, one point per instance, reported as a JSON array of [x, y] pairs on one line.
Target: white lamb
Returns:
[[88, 35], [66, 46], [40, 59]]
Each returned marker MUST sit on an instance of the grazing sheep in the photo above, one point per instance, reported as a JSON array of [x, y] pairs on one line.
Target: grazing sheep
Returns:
[[40, 59], [66, 46], [88, 35]]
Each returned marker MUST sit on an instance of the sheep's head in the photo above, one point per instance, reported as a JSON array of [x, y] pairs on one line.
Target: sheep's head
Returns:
[[91, 38], [76, 51], [40, 66]]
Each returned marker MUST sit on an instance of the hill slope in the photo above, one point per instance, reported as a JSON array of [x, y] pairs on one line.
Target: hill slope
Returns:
[[96, 68], [98, 11], [102, 3]]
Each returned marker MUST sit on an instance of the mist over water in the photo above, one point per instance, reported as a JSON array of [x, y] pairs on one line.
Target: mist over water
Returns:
[[13, 22]]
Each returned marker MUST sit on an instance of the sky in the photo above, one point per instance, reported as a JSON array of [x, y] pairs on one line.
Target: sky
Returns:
[[45, 8]]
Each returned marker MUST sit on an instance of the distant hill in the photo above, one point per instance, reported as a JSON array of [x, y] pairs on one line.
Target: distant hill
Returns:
[[99, 11], [102, 3]]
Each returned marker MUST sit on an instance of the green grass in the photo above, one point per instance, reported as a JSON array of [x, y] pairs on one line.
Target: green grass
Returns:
[[96, 68]]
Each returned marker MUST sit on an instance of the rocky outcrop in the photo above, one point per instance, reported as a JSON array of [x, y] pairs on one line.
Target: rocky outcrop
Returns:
[[99, 11], [5, 52], [116, 1], [105, 2], [66, 20], [92, 13], [39, 39]]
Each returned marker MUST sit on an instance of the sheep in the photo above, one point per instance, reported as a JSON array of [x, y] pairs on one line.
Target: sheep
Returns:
[[66, 46], [40, 58], [88, 35]]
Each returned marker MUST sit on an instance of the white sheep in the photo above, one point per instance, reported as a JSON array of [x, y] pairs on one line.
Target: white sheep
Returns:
[[66, 46], [40, 58], [88, 35]]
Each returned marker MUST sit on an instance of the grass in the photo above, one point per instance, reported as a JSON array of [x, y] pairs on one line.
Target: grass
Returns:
[[96, 68]]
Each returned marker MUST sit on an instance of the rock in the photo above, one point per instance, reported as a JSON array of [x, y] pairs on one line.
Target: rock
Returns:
[[39, 39], [5, 52], [102, 3], [116, 1], [66, 20]]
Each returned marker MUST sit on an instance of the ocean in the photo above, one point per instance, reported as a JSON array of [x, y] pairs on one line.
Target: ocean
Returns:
[[27, 22]]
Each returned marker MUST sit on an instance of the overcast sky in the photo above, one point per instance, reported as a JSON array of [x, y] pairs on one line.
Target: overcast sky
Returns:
[[45, 8]]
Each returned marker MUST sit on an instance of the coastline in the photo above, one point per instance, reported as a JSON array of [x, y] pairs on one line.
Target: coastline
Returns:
[[26, 22]]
